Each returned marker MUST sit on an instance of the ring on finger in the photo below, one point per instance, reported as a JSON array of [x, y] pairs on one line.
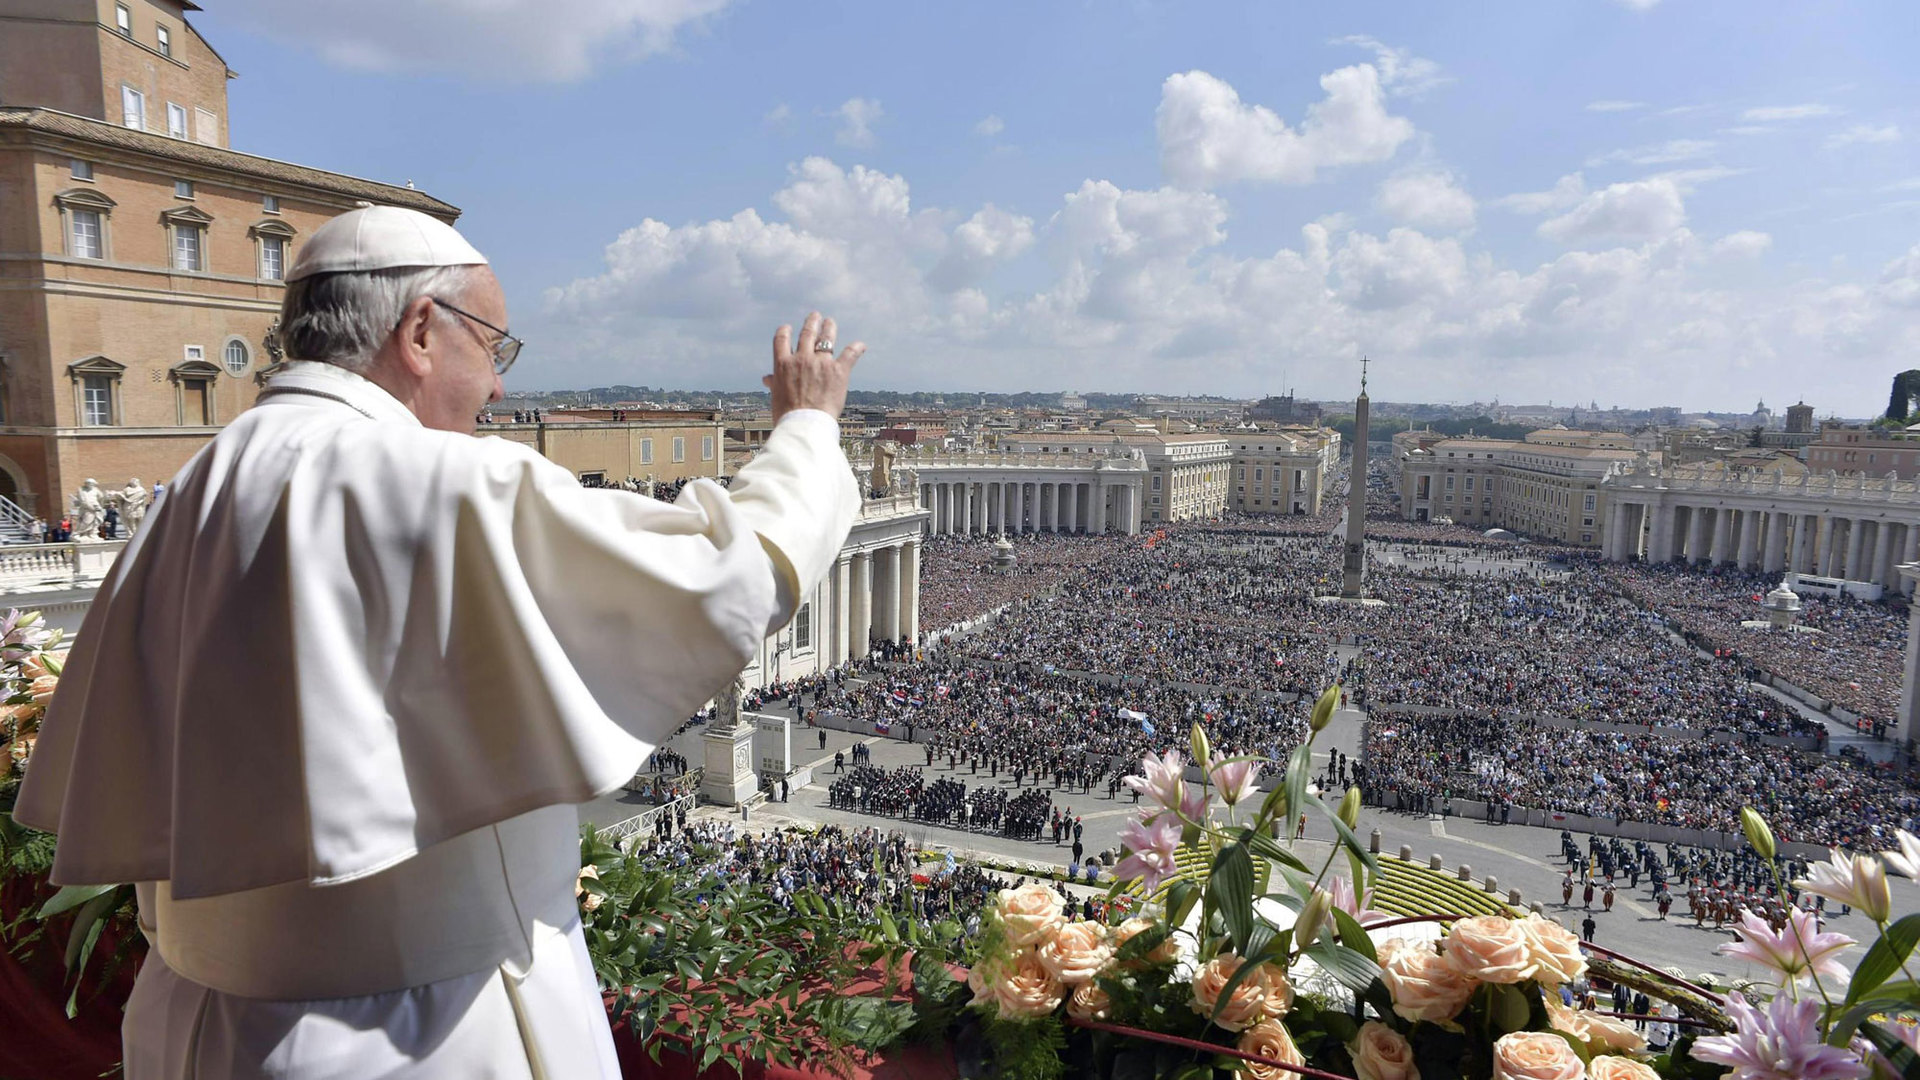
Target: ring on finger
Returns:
[[823, 345]]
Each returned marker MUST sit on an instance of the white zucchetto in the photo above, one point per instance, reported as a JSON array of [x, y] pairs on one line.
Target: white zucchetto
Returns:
[[382, 238]]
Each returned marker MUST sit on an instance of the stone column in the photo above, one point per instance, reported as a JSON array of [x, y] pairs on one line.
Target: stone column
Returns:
[[1697, 535], [1610, 543], [860, 628], [1873, 555], [1775, 559], [842, 629], [1855, 533], [1660, 541], [886, 593], [1097, 507], [1073, 506], [909, 578], [1749, 540], [1907, 724], [1829, 549]]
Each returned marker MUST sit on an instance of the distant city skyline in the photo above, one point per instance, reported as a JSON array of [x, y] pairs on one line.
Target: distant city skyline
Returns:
[[1622, 200]]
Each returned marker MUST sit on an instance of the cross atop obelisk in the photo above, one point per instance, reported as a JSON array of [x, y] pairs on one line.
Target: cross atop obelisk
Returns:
[[1355, 567]]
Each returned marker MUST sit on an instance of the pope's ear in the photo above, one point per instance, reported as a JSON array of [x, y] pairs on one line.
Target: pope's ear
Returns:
[[413, 337]]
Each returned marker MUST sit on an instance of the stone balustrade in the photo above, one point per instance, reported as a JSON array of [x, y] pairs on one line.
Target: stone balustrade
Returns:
[[25, 566]]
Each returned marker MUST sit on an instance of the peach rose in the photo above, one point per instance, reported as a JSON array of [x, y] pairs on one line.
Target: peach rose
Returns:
[[1423, 986], [1026, 989], [1248, 1002], [1076, 952], [1279, 992], [1602, 1033], [1164, 953], [1554, 950], [1490, 948], [1609, 1067], [1536, 1055], [984, 979], [1269, 1039], [43, 688], [1381, 1053], [1089, 1002], [1030, 914]]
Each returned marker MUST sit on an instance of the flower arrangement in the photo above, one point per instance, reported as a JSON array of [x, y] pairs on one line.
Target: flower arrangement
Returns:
[[1302, 980]]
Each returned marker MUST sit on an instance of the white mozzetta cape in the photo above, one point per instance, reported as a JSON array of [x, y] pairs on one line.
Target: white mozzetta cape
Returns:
[[342, 638]]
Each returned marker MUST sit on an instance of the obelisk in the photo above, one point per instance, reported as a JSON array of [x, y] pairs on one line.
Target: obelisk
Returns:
[[1356, 555]]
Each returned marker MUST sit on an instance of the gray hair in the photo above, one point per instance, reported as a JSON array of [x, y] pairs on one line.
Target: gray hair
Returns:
[[344, 318]]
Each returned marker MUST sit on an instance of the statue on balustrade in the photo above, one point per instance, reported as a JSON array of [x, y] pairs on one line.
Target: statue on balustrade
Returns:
[[881, 478], [89, 507], [132, 501]]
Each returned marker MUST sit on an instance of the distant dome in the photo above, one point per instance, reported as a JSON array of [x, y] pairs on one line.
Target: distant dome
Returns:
[[1703, 422]]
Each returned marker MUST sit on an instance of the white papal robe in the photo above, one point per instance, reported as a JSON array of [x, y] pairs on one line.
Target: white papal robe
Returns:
[[334, 705]]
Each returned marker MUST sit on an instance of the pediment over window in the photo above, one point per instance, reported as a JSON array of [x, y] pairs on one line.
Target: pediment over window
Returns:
[[271, 227], [96, 365], [84, 199], [187, 215], [193, 369]]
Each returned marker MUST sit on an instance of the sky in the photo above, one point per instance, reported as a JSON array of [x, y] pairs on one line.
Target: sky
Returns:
[[1632, 202]]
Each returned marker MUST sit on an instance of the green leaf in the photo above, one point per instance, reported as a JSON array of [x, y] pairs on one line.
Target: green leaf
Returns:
[[1355, 971], [1885, 957], [1898, 1053], [1230, 892], [1269, 848], [1180, 901], [1299, 775], [1354, 846], [1507, 1009], [1353, 935], [72, 896], [888, 929]]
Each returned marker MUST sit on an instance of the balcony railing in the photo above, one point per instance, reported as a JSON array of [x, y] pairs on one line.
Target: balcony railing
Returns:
[[25, 566]]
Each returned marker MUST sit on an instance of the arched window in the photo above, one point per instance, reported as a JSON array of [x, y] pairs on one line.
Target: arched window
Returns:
[[237, 357]]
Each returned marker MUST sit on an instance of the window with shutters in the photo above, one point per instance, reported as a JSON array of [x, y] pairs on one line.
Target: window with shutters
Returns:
[[96, 390], [706, 448], [679, 448], [81, 170], [164, 38], [273, 258], [133, 107], [84, 226], [123, 20], [176, 120], [803, 627], [99, 401], [646, 451], [189, 248]]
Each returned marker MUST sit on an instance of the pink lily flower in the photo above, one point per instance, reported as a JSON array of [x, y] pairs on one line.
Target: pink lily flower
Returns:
[[1856, 880], [1798, 951], [1151, 846], [1162, 784], [1234, 779], [1782, 1043], [1340, 890]]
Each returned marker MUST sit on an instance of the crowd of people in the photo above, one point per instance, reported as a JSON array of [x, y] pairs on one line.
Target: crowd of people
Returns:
[[1418, 759], [867, 869]]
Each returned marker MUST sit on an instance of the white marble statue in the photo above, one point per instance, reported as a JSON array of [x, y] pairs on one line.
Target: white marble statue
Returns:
[[132, 501], [89, 506], [882, 476]]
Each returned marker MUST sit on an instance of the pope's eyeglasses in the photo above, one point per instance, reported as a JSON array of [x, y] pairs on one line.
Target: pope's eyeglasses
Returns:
[[505, 350]]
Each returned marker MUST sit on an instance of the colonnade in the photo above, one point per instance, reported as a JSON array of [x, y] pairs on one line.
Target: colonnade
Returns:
[[872, 595], [1826, 542], [1019, 505]]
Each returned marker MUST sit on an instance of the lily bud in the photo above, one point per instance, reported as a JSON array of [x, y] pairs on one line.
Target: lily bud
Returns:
[[1323, 709], [1313, 916], [1350, 808], [1759, 836], [1202, 752]]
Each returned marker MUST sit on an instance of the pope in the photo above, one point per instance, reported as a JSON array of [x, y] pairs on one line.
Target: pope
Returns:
[[335, 704]]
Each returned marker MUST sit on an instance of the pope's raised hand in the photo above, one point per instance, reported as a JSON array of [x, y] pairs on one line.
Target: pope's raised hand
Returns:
[[807, 375]]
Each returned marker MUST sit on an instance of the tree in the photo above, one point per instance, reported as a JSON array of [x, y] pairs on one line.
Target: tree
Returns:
[[1906, 393]]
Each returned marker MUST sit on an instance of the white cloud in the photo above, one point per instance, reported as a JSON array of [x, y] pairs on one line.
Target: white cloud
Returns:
[[1661, 153], [1135, 290], [1773, 113], [777, 115], [1614, 105], [857, 116], [1208, 136], [1745, 244], [1566, 191], [1638, 210], [989, 126], [1426, 199], [1401, 73], [500, 40], [1865, 133]]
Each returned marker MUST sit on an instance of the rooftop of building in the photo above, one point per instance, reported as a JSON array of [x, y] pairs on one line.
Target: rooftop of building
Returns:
[[37, 120]]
